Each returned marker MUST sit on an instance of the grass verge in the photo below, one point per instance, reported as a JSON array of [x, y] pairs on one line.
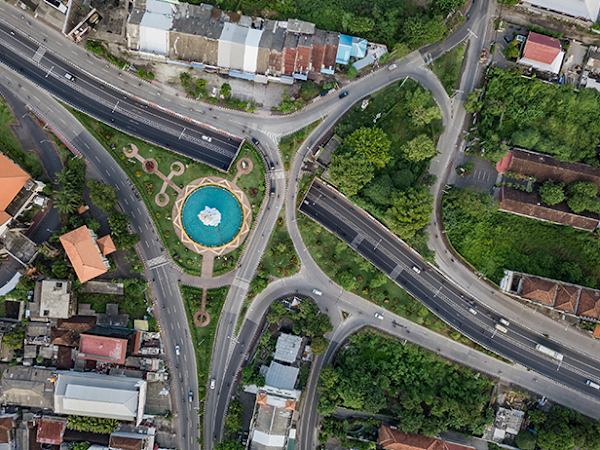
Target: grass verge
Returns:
[[289, 145], [280, 258], [447, 68], [11, 147], [253, 184], [203, 337]]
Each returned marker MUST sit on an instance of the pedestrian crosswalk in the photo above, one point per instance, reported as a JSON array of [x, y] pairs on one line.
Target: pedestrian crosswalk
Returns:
[[159, 261], [41, 51]]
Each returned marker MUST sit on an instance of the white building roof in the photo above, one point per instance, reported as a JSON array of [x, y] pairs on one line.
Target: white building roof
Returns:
[[554, 67], [586, 9], [287, 348], [95, 395], [268, 440], [154, 27], [281, 377]]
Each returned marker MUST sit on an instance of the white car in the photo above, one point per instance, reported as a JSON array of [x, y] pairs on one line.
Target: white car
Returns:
[[378, 316], [206, 138], [212, 383], [177, 349], [416, 269]]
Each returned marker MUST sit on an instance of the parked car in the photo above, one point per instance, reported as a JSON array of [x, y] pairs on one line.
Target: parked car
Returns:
[[378, 316], [392, 66]]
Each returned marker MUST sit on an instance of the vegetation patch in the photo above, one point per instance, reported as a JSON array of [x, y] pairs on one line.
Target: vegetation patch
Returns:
[[534, 115], [447, 68], [493, 241], [280, 258], [289, 145], [203, 337], [11, 147], [382, 167], [428, 394]]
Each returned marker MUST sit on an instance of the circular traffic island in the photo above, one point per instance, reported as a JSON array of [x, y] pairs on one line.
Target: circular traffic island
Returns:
[[211, 215]]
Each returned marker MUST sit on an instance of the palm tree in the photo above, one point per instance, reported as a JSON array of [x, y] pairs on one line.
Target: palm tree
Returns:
[[67, 201]]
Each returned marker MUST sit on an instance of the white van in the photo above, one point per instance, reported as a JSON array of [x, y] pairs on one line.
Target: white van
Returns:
[[69, 77], [206, 138], [472, 311], [504, 322], [317, 292], [592, 384]]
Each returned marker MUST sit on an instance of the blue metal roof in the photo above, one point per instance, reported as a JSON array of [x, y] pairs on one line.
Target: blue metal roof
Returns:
[[350, 47]]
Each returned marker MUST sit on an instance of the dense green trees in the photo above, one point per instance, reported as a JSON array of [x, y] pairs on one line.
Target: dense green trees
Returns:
[[229, 444], [373, 143], [426, 393], [493, 241], [92, 424], [378, 166], [552, 193], [225, 90], [537, 116], [525, 440], [561, 429], [251, 376], [350, 171], [14, 338], [409, 211], [71, 181], [583, 196], [103, 195], [233, 420]]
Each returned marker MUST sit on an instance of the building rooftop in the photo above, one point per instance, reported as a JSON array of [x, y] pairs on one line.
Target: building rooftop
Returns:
[[126, 442], [272, 418], [281, 377], [7, 425], [84, 254], [78, 324], [27, 386], [106, 245], [544, 167], [589, 304], [55, 300], [19, 246], [585, 9], [95, 395], [51, 430], [12, 180], [287, 348], [566, 297], [102, 348], [300, 26], [529, 204], [391, 438], [542, 52], [539, 289]]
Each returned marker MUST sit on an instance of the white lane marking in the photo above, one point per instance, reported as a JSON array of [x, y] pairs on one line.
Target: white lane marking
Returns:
[[97, 159], [125, 200], [178, 326], [146, 242]]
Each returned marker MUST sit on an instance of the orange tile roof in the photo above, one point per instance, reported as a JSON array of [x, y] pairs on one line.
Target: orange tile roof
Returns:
[[394, 439], [83, 254], [7, 424], [106, 245], [125, 443], [12, 180], [81, 209], [566, 297], [541, 48], [539, 290], [4, 216], [597, 331], [589, 304], [103, 348]]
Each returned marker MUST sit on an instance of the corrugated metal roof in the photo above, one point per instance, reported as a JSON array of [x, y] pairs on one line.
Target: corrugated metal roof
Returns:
[[586, 9]]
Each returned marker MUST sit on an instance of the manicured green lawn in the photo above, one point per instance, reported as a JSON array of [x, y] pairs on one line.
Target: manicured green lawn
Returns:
[[203, 337], [447, 68], [280, 258], [253, 184], [289, 145], [11, 147]]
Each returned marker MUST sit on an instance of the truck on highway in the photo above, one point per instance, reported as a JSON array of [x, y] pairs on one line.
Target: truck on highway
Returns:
[[590, 383], [501, 328], [549, 352]]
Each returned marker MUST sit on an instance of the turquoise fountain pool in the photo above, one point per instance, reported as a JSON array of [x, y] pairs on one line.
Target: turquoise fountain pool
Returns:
[[212, 216]]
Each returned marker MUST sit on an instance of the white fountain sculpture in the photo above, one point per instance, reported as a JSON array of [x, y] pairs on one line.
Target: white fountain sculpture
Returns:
[[211, 217]]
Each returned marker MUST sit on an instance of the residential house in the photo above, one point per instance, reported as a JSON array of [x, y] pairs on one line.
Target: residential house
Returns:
[[102, 349], [542, 53], [7, 431], [85, 254], [270, 427], [27, 386], [50, 430], [52, 299], [17, 192]]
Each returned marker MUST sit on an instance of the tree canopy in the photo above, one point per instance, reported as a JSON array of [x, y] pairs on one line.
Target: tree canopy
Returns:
[[373, 143], [552, 193], [350, 171], [103, 195], [409, 211], [537, 116], [229, 444], [425, 392], [419, 148]]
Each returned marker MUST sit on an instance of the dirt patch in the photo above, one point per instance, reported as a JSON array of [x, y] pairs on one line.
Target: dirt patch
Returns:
[[252, 192]]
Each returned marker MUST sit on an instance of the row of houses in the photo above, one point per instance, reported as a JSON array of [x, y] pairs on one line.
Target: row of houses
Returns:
[[251, 48]]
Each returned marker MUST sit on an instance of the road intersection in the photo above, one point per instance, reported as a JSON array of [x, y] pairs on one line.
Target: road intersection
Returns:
[[229, 349]]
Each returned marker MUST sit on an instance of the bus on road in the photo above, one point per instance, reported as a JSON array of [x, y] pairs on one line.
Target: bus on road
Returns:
[[549, 352]]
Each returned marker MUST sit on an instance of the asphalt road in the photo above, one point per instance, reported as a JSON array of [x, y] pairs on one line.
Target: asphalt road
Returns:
[[111, 106], [453, 305]]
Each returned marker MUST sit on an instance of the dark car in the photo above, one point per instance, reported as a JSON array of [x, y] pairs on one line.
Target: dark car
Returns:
[[272, 165], [255, 141], [344, 94]]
